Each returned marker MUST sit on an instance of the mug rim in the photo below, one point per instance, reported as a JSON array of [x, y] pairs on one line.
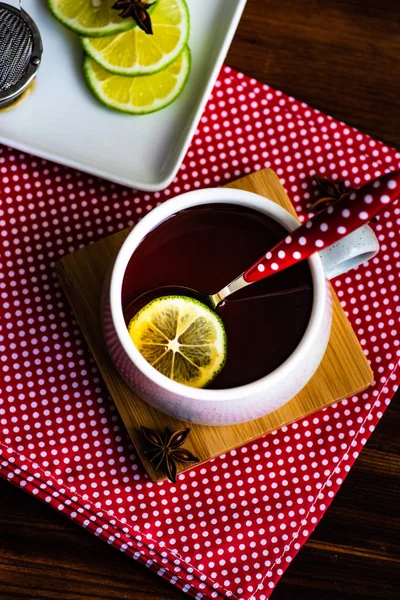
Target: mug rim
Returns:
[[155, 218]]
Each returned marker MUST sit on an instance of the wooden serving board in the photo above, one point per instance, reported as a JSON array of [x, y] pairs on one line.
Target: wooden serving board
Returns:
[[343, 371]]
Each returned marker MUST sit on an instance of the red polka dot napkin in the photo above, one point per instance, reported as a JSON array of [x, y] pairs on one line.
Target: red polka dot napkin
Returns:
[[231, 527]]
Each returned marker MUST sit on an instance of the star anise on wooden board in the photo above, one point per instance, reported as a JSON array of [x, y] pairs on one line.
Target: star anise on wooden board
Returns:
[[166, 450], [331, 192], [138, 11]]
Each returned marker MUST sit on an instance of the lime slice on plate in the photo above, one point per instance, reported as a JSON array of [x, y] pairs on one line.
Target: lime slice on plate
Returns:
[[139, 95], [135, 52], [181, 338], [82, 16]]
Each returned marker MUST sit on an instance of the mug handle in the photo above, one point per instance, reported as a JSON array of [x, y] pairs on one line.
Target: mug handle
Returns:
[[349, 252]]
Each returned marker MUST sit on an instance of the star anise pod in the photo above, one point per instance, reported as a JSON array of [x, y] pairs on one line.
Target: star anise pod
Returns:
[[165, 450], [138, 11], [331, 192]]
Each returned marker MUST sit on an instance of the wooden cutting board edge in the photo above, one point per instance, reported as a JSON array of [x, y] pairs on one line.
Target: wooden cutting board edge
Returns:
[[263, 182]]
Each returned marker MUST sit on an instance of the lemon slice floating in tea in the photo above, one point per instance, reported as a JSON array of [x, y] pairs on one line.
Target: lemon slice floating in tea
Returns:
[[134, 52], [181, 338], [139, 95]]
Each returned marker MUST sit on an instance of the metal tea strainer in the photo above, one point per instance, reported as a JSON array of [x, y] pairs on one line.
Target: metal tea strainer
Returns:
[[20, 52]]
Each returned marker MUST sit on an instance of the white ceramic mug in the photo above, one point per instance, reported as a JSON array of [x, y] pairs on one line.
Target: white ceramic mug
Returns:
[[247, 402]]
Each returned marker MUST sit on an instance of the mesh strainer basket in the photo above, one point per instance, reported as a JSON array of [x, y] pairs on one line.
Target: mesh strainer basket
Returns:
[[20, 52]]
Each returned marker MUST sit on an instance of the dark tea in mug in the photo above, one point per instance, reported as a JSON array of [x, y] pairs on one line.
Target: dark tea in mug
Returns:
[[206, 247]]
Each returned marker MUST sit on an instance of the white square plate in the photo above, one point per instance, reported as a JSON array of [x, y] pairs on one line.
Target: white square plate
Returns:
[[63, 122]]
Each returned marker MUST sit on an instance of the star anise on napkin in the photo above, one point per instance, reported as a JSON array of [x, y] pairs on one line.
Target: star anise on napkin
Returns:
[[165, 450], [138, 11], [331, 192]]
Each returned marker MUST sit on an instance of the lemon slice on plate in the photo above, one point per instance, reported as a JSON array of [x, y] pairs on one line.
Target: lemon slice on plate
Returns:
[[181, 338], [90, 18], [139, 95], [135, 52]]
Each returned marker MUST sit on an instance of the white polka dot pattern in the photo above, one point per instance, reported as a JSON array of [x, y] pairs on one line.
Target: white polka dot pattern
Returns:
[[228, 528], [316, 233]]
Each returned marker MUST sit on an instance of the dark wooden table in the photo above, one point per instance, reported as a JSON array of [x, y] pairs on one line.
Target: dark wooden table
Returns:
[[341, 56]]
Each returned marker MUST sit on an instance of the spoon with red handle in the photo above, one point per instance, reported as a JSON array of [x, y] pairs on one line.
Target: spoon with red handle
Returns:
[[324, 229], [328, 226]]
